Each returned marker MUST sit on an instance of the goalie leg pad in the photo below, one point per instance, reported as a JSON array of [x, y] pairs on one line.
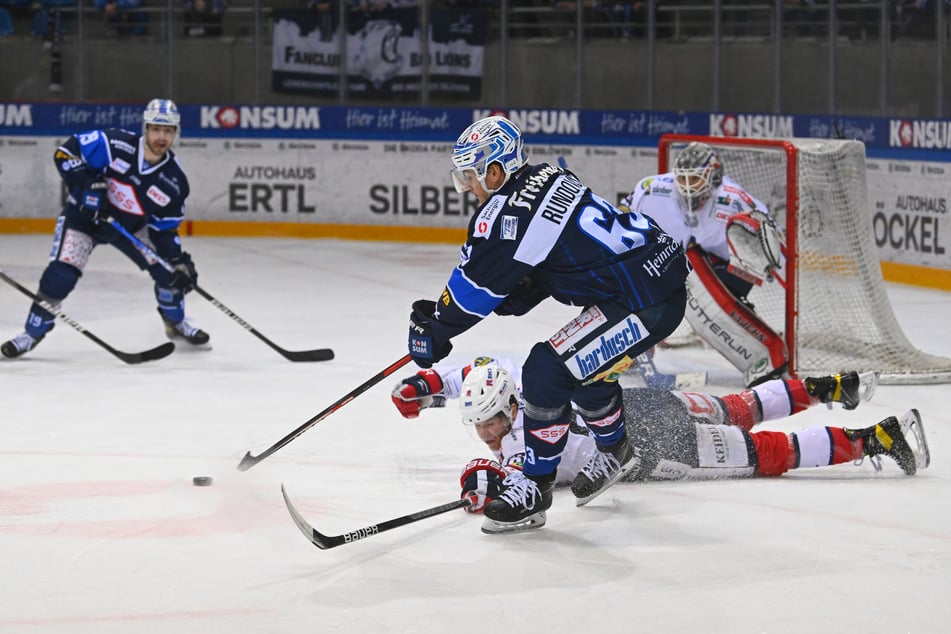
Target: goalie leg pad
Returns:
[[730, 327]]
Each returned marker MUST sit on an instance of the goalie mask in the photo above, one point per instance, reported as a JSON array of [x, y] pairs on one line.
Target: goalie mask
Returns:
[[487, 141], [487, 392], [697, 172], [162, 112]]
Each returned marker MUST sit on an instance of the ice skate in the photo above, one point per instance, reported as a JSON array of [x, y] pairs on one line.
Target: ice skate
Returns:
[[20, 345], [185, 330], [604, 469], [849, 388], [521, 506], [890, 438]]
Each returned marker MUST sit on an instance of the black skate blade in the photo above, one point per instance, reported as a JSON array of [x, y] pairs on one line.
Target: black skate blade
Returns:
[[492, 527]]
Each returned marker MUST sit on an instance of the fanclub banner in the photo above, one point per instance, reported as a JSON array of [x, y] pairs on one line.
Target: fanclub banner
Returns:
[[385, 56]]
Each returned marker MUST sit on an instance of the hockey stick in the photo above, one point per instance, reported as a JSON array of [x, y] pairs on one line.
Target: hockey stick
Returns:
[[129, 357], [249, 461], [325, 542], [319, 354]]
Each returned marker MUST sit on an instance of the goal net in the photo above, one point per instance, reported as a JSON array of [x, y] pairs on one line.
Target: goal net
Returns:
[[833, 313]]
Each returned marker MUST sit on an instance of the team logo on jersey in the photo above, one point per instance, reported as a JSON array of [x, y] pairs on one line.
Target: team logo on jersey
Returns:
[[551, 434], [122, 196], [509, 228], [157, 196], [120, 166], [486, 218]]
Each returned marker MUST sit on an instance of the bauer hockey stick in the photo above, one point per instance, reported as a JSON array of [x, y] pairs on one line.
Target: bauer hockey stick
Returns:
[[325, 542], [319, 354], [129, 357], [249, 461]]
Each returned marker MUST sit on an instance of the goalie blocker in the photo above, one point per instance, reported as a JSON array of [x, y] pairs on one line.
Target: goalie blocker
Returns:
[[730, 326]]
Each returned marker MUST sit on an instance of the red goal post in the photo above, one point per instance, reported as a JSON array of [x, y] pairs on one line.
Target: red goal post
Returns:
[[833, 313]]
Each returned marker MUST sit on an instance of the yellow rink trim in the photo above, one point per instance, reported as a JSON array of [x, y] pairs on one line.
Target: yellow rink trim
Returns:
[[891, 271], [917, 275]]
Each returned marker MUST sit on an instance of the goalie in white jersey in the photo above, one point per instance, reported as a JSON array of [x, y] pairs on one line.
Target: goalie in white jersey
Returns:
[[677, 435], [732, 244]]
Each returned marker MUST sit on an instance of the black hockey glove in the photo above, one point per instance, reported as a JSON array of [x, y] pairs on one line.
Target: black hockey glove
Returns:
[[524, 297], [424, 346], [93, 203], [184, 277]]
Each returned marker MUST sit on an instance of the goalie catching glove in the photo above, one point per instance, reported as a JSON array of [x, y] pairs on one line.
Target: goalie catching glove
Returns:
[[481, 482], [755, 244], [417, 392]]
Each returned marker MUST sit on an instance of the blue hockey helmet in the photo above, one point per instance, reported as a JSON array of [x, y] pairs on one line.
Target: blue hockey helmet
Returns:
[[489, 140], [162, 112]]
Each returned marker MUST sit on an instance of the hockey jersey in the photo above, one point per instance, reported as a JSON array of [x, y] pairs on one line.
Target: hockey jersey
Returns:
[[656, 196], [546, 225], [140, 194]]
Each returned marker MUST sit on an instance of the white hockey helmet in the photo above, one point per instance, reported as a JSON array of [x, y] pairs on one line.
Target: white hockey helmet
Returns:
[[487, 391], [489, 140], [162, 112], [697, 172]]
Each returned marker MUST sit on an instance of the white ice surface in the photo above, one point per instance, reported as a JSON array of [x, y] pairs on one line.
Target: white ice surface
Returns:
[[101, 530]]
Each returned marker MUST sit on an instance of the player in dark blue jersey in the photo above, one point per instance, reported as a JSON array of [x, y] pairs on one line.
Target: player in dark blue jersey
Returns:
[[539, 233], [135, 179]]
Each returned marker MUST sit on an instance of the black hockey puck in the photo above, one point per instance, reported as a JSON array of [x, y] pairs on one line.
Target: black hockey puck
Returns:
[[201, 481]]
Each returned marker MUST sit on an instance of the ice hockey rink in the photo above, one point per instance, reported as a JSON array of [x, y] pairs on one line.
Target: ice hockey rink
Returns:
[[103, 532]]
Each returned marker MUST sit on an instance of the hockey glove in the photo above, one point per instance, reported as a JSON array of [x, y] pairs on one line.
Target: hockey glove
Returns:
[[481, 482], [417, 392], [425, 347], [524, 297], [93, 204], [184, 277]]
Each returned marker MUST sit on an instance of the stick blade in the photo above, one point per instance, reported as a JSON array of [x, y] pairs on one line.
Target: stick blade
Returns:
[[152, 354], [320, 541], [320, 354], [248, 461]]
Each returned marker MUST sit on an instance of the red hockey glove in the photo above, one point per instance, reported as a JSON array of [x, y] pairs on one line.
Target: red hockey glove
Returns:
[[481, 482], [415, 393]]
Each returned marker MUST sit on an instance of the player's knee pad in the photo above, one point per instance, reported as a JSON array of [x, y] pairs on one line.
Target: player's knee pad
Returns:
[[71, 247], [730, 327], [58, 281]]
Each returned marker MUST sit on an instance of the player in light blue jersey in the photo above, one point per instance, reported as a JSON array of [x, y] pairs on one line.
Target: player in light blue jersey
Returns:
[[136, 180], [540, 232]]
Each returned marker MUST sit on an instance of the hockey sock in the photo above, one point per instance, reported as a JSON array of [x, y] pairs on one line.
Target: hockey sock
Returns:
[[824, 446]]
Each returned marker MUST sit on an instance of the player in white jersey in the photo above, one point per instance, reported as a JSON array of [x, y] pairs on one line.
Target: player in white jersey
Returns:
[[732, 244], [677, 435]]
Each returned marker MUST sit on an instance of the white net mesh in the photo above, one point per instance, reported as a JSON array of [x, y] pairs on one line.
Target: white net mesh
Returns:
[[839, 317]]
